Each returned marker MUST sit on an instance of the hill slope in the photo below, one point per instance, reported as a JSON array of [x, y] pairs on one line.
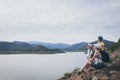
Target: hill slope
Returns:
[[76, 47], [22, 47], [14, 46], [50, 45], [115, 46]]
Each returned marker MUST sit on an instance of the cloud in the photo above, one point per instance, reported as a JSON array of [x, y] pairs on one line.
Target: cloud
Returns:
[[59, 20]]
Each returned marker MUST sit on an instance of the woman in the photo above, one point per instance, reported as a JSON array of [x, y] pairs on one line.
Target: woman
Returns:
[[105, 55], [95, 61], [101, 43], [89, 51]]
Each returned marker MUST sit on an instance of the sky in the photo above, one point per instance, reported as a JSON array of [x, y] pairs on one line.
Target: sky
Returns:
[[59, 21]]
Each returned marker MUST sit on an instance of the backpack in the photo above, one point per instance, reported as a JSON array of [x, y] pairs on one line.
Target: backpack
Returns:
[[105, 56]]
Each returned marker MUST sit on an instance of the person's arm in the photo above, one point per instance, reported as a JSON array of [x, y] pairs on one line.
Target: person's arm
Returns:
[[102, 47], [93, 56]]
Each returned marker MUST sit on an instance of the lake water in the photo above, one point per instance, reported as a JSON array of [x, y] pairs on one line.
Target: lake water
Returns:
[[39, 66]]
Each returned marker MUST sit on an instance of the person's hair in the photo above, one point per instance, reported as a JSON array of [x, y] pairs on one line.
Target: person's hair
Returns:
[[97, 46], [89, 45], [98, 49], [100, 38]]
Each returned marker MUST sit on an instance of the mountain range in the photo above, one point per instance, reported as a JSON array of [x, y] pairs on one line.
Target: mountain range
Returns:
[[50, 45], [42, 46], [23, 47]]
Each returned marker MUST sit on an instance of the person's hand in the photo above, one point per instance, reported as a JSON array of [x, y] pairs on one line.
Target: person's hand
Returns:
[[90, 60]]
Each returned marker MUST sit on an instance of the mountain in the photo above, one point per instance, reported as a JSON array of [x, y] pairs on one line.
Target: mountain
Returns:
[[50, 45], [14, 46], [82, 45], [6, 46], [78, 46], [42, 46]]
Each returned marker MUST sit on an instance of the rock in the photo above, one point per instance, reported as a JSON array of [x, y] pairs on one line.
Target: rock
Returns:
[[95, 78], [115, 54]]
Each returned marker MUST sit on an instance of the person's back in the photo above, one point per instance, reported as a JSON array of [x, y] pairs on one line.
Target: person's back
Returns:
[[101, 43], [104, 54]]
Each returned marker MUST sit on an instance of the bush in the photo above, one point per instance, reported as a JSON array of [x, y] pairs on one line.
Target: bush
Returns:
[[115, 46], [66, 75]]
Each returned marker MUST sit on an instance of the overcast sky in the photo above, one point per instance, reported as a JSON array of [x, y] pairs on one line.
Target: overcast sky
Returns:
[[67, 21]]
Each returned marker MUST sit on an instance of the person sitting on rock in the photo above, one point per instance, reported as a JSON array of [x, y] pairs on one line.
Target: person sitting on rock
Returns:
[[105, 55], [101, 43], [95, 61], [89, 51]]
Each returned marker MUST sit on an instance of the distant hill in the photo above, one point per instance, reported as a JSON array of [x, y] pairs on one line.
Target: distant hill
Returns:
[[50, 45], [40, 48], [76, 47], [82, 45], [14, 46], [46, 47], [11, 47]]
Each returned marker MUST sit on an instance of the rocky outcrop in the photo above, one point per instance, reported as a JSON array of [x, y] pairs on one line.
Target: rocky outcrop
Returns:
[[115, 54], [111, 71]]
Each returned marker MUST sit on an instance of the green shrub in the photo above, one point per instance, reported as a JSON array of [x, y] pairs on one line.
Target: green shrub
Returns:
[[66, 74], [115, 46]]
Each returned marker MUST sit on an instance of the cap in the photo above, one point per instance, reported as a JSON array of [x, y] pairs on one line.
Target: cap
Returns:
[[100, 38], [89, 44]]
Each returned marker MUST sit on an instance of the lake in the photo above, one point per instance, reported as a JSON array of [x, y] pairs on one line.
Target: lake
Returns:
[[39, 66]]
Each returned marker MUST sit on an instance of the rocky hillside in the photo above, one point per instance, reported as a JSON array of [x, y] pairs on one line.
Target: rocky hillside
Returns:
[[115, 46], [111, 70]]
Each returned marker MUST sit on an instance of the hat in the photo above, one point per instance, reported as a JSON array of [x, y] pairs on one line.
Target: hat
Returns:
[[89, 44], [98, 46], [100, 38]]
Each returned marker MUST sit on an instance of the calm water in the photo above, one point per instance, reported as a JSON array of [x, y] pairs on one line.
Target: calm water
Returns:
[[39, 67]]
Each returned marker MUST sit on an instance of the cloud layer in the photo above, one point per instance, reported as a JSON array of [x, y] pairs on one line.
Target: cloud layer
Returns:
[[55, 21]]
